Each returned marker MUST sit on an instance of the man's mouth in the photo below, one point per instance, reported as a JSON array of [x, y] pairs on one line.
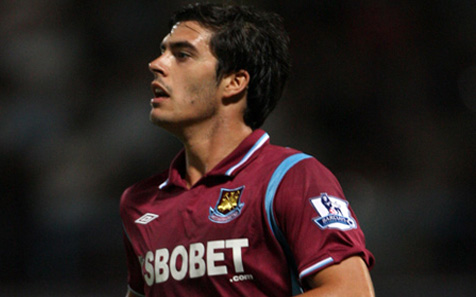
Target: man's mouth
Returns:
[[159, 91]]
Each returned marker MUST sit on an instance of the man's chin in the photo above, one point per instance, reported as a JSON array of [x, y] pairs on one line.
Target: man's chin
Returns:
[[154, 119], [159, 121]]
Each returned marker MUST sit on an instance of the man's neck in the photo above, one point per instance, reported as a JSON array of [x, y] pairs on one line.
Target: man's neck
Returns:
[[205, 148]]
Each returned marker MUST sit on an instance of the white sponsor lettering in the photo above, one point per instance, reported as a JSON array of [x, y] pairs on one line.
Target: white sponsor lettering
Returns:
[[162, 264], [161, 267], [213, 257], [149, 268], [197, 264], [182, 252], [241, 277], [236, 245]]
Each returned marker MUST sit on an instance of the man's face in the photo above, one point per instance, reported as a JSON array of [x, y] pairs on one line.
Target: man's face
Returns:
[[185, 88]]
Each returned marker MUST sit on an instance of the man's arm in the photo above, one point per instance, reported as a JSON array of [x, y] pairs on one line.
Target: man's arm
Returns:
[[130, 294], [350, 278]]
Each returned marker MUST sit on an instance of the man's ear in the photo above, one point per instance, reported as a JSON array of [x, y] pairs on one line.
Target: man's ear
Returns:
[[236, 83]]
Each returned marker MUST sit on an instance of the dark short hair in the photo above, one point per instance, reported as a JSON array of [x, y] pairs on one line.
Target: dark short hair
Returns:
[[246, 39]]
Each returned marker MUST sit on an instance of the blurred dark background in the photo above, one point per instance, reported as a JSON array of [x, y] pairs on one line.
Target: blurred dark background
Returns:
[[382, 92]]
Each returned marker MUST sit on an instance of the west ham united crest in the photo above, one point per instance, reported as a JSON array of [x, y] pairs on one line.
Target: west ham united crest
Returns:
[[228, 206]]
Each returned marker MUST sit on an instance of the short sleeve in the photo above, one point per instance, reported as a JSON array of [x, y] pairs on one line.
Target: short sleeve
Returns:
[[317, 221], [135, 280]]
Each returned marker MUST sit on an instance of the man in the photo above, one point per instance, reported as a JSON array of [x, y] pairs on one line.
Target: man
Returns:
[[235, 215]]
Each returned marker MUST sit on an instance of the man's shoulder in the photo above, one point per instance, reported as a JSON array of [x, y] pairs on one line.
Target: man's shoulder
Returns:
[[142, 189], [279, 152], [275, 154], [269, 158]]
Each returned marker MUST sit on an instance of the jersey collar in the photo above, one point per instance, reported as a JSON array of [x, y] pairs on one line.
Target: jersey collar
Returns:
[[229, 166]]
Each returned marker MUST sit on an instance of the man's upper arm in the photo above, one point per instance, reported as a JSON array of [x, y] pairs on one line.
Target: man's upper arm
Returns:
[[322, 230], [350, 278], [134, 274], [130, 294]]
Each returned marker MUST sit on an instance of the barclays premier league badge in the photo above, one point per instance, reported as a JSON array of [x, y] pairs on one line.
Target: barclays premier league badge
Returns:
[[334, 213]]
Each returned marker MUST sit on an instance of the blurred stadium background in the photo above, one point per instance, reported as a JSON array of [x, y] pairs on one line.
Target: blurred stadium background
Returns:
[[382, 92]]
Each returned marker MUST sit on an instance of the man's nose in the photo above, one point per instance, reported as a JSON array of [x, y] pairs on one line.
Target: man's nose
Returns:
[[157, 66]]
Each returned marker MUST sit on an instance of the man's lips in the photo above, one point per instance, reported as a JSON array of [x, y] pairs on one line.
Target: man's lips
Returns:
[[159, 91], [156, 101], [160, 94]]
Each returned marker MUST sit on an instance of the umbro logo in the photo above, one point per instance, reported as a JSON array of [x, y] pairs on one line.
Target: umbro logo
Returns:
[[147, 218]]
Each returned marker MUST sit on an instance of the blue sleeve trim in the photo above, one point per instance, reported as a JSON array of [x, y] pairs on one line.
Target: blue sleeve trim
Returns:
[[273, 185], [316, 267]]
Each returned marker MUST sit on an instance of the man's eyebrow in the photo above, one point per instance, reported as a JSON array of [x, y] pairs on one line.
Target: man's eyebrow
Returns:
[[178, 45]]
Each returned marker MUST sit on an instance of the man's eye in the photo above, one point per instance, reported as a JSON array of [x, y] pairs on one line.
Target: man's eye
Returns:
[[182, 55]]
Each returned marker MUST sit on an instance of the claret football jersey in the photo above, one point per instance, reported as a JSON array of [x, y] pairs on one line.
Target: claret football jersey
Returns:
[[260, 216]]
